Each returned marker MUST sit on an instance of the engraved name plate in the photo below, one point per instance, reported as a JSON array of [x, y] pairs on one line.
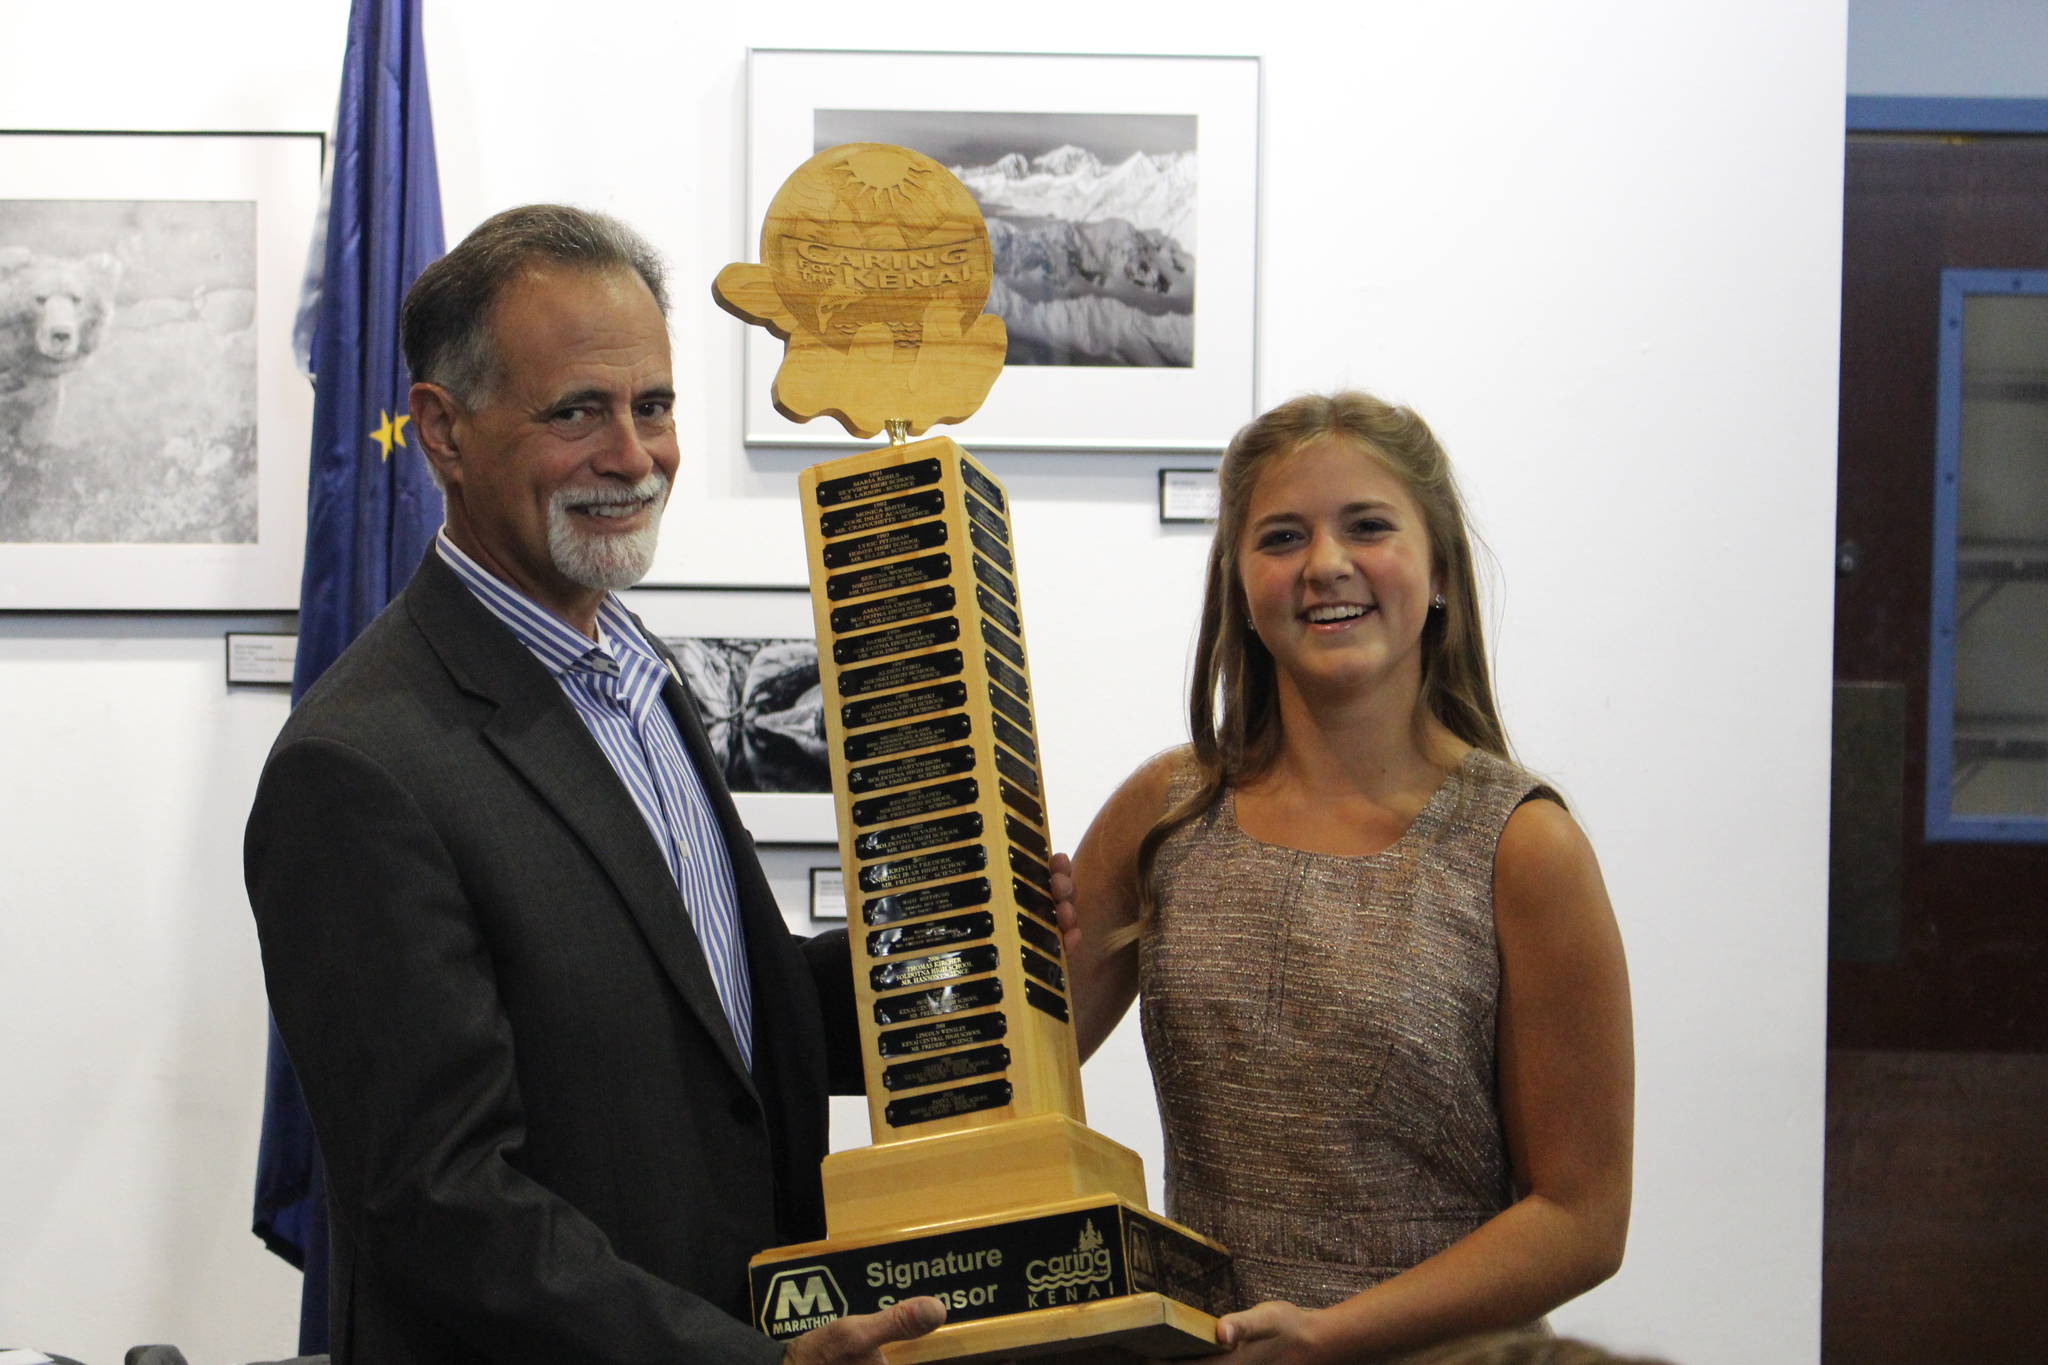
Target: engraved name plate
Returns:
[[988, 545], [901, 772], [927, 900], [945, 1033], [1008, 733], [988, 519], [887, 611], [1044, 968], [877, 483], [956, 1066], [1002, 644], [983, 486], [940, 1104], [1001, 672], [995, 580], [1016, 770], [1009, 707], [1022, 804], [1038, 935], [883, 810], [873, 516], [967, 995], [889, 544], [1051, 1002], [899, 706], [900, 673], [1026, 837], [995, 609], [926, 867], [914, 938], [1030, 898], [901, 839], [933, 968], [901, 640], [903, 738], [906, 573]]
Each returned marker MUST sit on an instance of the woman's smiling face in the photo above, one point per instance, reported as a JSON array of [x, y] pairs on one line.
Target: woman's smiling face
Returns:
[[1335, 565]]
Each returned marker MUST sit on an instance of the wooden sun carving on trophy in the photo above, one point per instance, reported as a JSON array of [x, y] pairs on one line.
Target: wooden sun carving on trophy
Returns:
[[984, 1186], [875, 266]]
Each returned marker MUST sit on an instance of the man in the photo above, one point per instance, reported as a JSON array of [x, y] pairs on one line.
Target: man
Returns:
[[567, 1066]]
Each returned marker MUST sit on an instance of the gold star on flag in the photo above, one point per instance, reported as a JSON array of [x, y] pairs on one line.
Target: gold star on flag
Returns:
[[390, 432]]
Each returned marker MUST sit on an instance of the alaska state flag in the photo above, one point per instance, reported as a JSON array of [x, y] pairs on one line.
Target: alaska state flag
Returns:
[[371, 507]]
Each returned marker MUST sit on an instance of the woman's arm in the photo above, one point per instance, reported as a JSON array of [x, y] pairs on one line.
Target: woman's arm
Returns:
[[1566, 1076], [1106, 902]]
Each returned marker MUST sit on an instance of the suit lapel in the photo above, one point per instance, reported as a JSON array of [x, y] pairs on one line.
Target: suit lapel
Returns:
[[541, 737], [788, 1031], [777, 977]]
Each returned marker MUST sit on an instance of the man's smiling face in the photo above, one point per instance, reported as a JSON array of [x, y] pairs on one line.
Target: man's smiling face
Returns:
[[559, 476]]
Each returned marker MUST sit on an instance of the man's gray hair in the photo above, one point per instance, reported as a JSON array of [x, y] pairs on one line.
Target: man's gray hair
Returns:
[[446, 321]]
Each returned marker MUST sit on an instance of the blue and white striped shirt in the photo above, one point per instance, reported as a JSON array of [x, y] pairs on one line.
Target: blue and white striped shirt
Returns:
[[615, 686]]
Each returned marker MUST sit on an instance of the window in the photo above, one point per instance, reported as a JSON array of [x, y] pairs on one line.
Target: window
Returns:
[[1987, 731]]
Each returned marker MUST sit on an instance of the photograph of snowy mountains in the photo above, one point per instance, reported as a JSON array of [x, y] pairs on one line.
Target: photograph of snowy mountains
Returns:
[[1091, 217]]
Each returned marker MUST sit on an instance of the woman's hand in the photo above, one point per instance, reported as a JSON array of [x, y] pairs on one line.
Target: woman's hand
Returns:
[[1272, 1333]]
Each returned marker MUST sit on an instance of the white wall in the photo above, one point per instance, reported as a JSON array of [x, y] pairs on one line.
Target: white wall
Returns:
[[1595, 242]]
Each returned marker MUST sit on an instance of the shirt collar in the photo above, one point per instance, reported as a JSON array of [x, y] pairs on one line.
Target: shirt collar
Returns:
[[558, 645]]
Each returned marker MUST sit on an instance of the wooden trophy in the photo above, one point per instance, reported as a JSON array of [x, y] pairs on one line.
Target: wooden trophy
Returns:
[[983, 1186]]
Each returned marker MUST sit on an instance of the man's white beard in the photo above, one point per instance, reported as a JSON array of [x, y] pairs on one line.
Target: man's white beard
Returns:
[[594, 559]]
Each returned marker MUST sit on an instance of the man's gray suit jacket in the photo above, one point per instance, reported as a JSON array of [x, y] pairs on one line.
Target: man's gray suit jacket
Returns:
[[541, 1142]]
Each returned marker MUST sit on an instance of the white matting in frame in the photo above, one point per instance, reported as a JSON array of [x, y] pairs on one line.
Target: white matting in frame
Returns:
[[164, 466], [1146, 168], [750, 657]]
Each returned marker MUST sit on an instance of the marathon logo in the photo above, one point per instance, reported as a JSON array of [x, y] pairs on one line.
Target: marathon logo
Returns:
[[823, 265], [799, 1298]]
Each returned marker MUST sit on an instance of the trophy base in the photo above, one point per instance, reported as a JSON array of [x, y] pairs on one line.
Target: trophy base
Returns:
[[1113, 1332], [1023, 1163], [1097, 1278]]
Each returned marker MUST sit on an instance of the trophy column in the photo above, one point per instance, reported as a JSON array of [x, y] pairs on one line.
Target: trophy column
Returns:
[[983, 1187], [960, 974]]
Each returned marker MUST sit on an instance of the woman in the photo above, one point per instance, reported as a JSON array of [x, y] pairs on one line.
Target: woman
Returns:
[[1383, 993]]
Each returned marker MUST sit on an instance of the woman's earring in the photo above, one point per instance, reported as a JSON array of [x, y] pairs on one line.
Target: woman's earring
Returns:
[[1437, 603]]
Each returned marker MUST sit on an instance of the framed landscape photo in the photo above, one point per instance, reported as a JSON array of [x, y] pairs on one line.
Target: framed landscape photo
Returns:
[[750, 657], [1121, 196], [153, 426]]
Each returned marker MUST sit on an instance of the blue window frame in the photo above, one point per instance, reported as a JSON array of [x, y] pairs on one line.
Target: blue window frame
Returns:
[[1987, 686]]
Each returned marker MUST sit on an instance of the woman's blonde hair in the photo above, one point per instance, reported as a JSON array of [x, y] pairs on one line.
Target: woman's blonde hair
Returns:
[[1233, 701]]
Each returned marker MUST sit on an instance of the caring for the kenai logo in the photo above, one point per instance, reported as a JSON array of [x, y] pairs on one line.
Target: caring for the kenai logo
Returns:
[[1074, 1277], [800, 1298]]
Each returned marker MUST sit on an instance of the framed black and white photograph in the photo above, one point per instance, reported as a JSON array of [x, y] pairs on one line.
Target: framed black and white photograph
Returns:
[[750, 657], [153, 426], [1121, 196]]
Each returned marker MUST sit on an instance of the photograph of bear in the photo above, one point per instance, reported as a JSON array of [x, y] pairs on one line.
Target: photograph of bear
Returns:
[[127, 372]]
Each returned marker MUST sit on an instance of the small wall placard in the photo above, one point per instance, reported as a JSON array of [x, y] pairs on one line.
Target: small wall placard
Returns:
[[828, 893], [1189, 495], [261, 658]]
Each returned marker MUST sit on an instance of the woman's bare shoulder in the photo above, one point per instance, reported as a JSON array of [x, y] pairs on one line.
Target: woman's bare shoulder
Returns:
[[1110, 848], [1142, 797]]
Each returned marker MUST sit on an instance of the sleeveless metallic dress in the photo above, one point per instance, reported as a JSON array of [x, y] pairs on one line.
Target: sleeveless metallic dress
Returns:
[[1321, 1032]]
